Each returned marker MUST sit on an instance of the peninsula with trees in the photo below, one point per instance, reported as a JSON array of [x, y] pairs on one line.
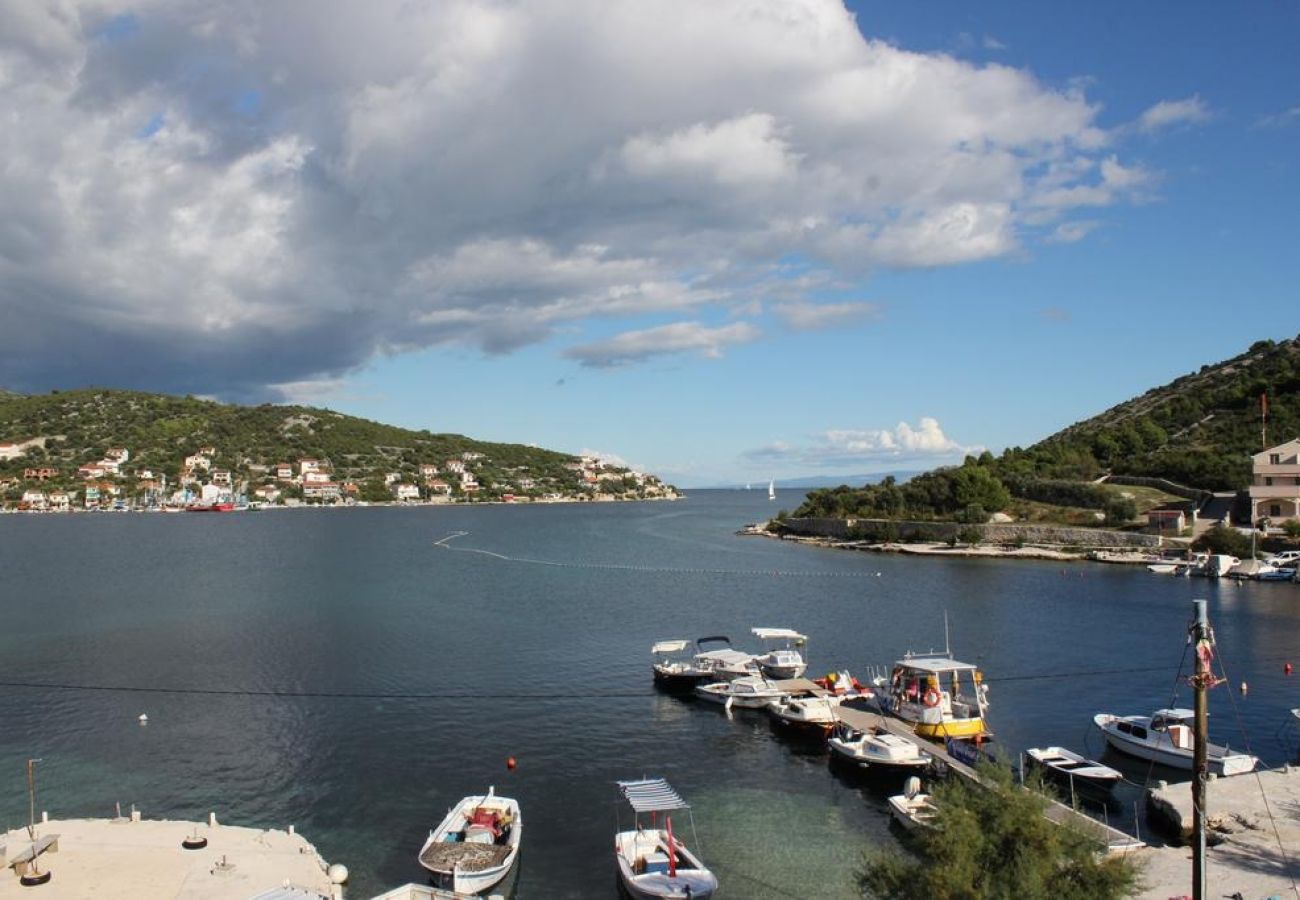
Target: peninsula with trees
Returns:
[[1171, 463]]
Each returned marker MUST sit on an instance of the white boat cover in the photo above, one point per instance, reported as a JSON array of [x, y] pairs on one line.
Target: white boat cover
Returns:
[[776, 634], [670, 646], [726, 657], [652, 795]]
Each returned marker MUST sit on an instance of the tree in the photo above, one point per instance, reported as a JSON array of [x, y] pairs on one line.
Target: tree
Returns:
[[1224, 540], [1120, 510], [1292, 528], [995, 842]]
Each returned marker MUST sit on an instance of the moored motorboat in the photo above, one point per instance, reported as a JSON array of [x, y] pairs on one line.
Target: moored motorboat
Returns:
[[750, 692], [815, 713], [674, 670], [913, 809], [723, 662], [940, 697], [877, 751], [1165, 737], [781, 657], [475, 845], [1073, 770], [654, 862]]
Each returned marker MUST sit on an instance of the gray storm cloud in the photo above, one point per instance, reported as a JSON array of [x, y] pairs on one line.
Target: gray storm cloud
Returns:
[[223, 197]]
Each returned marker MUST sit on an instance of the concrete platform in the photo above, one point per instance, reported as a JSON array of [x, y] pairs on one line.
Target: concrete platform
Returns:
[[1249, 859], [108, 859]]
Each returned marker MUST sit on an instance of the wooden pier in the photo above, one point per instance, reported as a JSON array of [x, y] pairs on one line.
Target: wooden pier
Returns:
[[1116, 841]]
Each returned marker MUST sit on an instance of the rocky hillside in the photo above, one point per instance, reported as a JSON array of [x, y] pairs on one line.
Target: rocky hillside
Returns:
[[1200, 429]]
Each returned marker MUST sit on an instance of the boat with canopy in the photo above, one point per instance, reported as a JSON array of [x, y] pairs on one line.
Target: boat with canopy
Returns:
[[653, 862]]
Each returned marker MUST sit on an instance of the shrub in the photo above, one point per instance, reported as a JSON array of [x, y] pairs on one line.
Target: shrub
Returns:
[[995, 841]]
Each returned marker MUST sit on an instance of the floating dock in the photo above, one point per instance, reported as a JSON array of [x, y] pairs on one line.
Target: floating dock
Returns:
[[1115, 840], [133, 859]]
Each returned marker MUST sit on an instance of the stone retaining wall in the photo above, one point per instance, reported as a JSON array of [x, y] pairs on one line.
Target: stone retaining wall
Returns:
[[1038, 535]]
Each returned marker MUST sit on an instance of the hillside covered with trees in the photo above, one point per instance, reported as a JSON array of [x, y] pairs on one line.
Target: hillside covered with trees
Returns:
[[1199, 430], [160, 432]]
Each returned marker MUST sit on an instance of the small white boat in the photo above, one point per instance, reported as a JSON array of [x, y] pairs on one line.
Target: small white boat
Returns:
[[912, 809], [1165, 737], [1073, 769], [751, 692], [877, 751], [782, 658], [476, 845], [653, 862], [771, 490], [815, 713], [1164, 568]]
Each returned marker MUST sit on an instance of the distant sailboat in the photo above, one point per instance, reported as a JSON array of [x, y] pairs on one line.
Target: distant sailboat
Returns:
[[771, 490]]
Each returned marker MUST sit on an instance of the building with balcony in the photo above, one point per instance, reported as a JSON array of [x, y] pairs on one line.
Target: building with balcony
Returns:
[[1275, 483]]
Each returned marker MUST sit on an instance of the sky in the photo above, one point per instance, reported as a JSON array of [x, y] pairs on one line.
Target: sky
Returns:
[[722, 242]]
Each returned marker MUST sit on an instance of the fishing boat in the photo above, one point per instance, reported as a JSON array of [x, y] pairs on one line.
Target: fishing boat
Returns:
[[913, 809], [1068, 767], [750, 692], [877, 751], [653, 862], [815, 714], [781, 657], [675, 671], [1165, 737], [476, 845], [938, 696], [210, 507]]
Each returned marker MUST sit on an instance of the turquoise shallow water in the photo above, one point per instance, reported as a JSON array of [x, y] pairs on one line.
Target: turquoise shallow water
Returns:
[[462, 659]]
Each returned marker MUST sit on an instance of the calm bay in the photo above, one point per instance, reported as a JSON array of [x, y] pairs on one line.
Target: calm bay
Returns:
[[339, 671]]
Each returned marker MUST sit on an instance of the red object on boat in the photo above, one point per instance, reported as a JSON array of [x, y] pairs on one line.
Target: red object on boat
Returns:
[[210, 507], [672, 851]]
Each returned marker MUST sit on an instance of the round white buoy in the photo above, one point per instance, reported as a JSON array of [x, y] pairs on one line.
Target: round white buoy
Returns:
[[144, 718], [911, 787], [338, 873]]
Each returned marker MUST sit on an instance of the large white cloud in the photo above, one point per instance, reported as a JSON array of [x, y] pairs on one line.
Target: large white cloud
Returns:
[[218, 197], [924, 443]]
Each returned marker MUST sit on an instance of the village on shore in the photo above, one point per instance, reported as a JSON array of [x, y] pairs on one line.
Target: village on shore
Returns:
[[200, 484]]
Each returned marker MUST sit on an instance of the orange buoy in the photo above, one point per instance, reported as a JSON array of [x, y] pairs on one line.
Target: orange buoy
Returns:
[[510, 762]]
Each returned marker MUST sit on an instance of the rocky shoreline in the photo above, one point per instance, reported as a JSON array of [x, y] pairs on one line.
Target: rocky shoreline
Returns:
[[987, 551]]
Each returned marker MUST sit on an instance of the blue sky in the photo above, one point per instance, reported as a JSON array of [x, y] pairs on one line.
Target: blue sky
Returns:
[[758, 239]]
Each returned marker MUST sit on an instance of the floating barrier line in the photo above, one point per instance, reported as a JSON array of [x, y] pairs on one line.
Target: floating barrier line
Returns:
[[618, 567], [327, 695]]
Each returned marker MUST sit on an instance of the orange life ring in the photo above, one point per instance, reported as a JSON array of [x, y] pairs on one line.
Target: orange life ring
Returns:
[[931, 698]]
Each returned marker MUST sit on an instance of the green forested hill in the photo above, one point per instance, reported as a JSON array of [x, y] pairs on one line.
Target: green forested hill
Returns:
[[160, 431], [1199, 430]]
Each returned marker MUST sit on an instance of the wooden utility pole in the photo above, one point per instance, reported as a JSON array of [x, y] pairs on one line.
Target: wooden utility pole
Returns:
[[1201, 683]]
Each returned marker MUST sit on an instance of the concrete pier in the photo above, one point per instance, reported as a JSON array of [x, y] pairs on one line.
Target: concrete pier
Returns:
[[133, 859], [1248, 859]]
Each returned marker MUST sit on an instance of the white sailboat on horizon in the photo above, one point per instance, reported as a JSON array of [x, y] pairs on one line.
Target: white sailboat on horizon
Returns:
[[771, 490]]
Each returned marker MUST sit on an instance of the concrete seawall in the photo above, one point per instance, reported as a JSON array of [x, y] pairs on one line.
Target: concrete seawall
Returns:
[[1038, 535]]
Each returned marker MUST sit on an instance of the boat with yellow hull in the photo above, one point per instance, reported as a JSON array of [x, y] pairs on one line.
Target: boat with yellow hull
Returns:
[[938, 696]]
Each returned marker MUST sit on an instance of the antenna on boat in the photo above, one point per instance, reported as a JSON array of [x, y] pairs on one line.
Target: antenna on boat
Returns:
[[947, 649]]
